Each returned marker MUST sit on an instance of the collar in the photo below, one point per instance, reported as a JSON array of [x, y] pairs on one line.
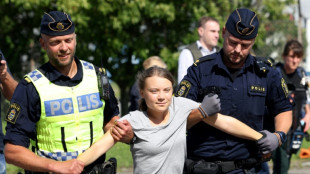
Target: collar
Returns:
[[248, 62], [54, 75], [204, 51]]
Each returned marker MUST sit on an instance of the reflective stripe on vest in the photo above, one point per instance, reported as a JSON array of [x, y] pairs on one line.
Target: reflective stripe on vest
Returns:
[[71, 117]]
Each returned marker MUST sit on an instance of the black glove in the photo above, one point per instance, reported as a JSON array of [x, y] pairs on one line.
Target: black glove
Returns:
[[210, 105], [268, 143]]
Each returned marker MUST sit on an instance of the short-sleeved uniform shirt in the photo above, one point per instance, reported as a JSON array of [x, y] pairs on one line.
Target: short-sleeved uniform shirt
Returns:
[[243, 95], [161, 149], [28, 99]]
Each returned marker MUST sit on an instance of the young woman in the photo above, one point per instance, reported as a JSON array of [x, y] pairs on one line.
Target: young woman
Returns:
[[160, 125]]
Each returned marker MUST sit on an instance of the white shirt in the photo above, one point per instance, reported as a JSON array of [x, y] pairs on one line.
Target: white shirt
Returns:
[[186, 59]]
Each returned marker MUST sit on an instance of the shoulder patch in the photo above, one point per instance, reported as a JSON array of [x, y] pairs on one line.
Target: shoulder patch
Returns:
[[284, 87], [183, 88], [203, 59], [13, 113]]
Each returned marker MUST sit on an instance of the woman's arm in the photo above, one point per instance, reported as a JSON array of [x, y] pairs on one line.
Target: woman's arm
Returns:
[[97, 149], [224, 123], [233, 127]]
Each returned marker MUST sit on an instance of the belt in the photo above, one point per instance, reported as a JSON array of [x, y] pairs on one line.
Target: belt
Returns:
[[202, 166]]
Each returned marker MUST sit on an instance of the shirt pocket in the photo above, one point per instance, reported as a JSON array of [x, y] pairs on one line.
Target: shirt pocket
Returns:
[[255, 104]]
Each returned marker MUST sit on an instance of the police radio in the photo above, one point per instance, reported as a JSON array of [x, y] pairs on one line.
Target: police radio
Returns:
[[104, 83]]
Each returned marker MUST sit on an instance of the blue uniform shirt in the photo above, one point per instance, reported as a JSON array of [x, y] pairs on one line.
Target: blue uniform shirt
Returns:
[[243, 97], [27, 98]]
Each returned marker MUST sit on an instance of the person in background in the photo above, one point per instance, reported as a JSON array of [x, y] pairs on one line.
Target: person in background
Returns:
[[58, 108], [7, 85], [246, 85], [159, 145], [208, 31], [134, 92], [295, 77]]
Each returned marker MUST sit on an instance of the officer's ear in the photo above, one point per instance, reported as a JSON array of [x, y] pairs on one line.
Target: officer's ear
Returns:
[[75, 38], [223, 31], [42, 42]]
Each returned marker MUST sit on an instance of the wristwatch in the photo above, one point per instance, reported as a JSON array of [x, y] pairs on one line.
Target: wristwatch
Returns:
[[282, 136]]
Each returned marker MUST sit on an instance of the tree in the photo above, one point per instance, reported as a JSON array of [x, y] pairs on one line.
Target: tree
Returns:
[[122, 33]]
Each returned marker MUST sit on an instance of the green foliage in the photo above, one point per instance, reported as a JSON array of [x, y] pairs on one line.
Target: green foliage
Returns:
[[127, 30]]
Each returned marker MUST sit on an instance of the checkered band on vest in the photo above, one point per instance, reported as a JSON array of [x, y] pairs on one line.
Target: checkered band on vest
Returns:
[[87, 65], [35, 75], [59, 156]]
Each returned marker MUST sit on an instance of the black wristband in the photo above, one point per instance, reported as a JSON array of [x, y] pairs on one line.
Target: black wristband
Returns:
[[282, 136]]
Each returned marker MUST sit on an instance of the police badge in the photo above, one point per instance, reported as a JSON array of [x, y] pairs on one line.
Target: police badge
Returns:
[[13, 113]]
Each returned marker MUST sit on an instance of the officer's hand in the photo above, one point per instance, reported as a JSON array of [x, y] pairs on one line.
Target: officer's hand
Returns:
[[70, 166], [268, 143], [210, 105], [122, 131]]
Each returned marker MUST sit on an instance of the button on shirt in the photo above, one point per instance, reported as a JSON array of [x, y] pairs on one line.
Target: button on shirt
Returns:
[[186, 59], [27, 97], [244, 98]]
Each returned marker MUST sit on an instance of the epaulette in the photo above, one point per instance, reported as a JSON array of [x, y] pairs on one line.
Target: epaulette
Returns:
[[267, 60], [203, 59], [27, 79], [262, 64]]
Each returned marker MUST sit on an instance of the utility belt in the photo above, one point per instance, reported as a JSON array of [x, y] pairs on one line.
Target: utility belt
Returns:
[[107, 167], [218, 167]]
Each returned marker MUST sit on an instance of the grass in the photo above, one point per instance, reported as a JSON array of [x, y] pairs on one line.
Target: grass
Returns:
[[122, 154]]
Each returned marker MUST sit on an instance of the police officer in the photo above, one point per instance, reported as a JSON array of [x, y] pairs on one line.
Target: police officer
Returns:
[[7, 85], [294, 76], [57, 106], [246, 85]]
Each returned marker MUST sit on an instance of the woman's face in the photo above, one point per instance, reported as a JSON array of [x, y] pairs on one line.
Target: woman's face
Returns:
[[157, 93], [291, 62]]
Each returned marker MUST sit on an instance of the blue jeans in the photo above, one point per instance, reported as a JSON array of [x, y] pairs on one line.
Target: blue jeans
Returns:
[[2, 164]]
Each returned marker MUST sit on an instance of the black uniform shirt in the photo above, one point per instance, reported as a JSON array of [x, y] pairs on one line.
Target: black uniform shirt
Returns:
[[27, 97]]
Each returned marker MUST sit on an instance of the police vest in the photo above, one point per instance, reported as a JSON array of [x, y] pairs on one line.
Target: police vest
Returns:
[[193, 48], [196, 53], [71, 117], [299, 89]]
